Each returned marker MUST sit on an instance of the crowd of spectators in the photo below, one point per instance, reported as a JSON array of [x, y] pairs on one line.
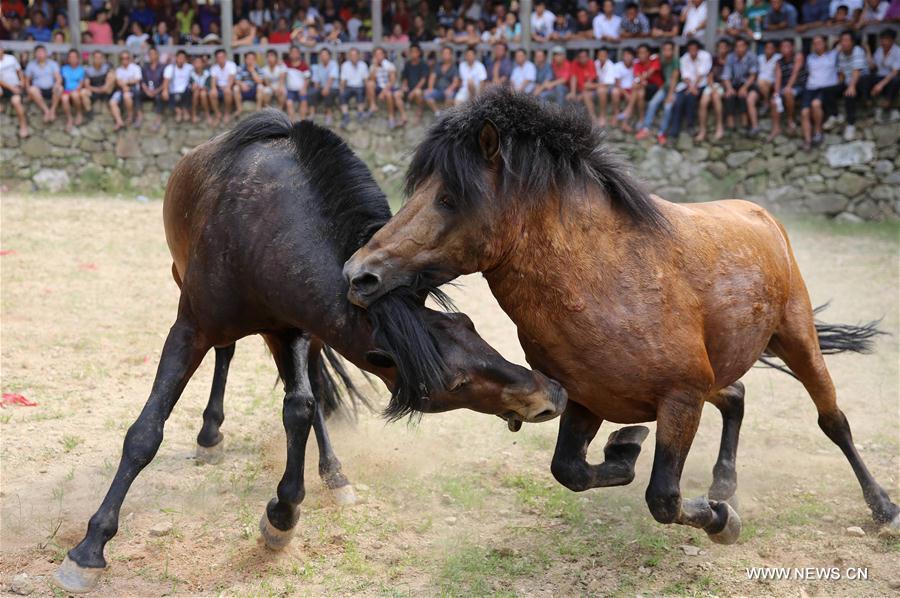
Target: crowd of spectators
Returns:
[[733, 85]]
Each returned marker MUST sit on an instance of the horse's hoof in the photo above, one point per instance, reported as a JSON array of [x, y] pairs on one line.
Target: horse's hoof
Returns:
[[274, 538], [628, 435], [210, 455], [732, 530], [892, 529], [344, 496], [75, 579]]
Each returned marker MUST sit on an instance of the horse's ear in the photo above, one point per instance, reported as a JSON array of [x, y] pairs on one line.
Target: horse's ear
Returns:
[[380, 359], [489, 140]]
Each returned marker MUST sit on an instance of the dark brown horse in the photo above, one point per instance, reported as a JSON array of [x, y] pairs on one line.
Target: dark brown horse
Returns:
[[259, 223], [643, 309]]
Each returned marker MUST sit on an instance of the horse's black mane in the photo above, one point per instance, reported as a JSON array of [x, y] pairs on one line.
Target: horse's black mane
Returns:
[[544, 149], [355, 208]]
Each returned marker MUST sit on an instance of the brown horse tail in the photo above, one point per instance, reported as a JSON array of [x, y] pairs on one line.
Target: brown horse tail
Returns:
[[336, 385], [835, 338]]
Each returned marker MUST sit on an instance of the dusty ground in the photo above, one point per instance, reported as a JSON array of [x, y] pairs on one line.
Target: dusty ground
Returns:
[[454, 506]]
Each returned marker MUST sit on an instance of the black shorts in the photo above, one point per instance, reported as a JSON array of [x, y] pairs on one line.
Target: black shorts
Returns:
[[47, 94], [650, 91], [6, 94], [180, 100], [824, 95]]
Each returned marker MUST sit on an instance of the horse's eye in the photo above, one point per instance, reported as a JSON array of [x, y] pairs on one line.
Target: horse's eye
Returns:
[[446, 202], [457, 383]]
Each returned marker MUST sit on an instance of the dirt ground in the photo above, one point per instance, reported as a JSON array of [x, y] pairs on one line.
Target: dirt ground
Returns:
[[456, 505]]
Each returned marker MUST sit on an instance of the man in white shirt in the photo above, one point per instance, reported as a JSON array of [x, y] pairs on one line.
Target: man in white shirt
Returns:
[[128, 91], [821, 87], [472, 76], [603, 86], [177, 86], [381, 84], [273, 75], [222, 73], [541, 22], [694, 18], [694, 68], [884, 83], [523, 74], [624, 74], [12, 86], [607, 23], [354, 73]]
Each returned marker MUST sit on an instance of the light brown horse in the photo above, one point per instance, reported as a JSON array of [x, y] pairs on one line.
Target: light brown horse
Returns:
[[643, 309]]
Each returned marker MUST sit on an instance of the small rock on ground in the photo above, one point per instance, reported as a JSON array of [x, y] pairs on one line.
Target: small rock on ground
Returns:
[[161, 529], [21, 585], [689, 550], [856, 531]]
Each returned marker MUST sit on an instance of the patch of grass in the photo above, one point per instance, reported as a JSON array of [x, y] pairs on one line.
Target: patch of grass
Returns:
[[547, 497], [69, 442], [473, 570], [466, 491], [803, 510]]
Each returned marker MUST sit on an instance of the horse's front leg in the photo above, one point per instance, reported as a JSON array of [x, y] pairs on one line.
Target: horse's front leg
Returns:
[[291, 351], [577, 428], [677, 419]]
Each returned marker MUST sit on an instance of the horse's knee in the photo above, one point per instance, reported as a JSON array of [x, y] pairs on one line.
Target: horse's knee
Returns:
[[664, 504], [569, 474], [299, 409]]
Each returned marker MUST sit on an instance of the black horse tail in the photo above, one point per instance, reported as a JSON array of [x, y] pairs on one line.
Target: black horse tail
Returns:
[[835, 338], [337, 391]]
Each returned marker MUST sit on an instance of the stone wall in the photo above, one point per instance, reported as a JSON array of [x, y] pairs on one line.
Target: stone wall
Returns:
[[853, 181]]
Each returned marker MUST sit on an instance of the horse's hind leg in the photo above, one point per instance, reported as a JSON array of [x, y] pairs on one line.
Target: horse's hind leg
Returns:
[[730, 402], [796, 342], [210, 448], [291, 350], [184, 349], [577, 428], [330, 466]]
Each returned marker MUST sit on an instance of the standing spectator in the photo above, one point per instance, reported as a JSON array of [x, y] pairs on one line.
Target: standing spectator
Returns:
[[152, 86], [813, 13], [472, 76], [412, 84], [222, 74], [38, 28], [542, 21], [100, 80], [201, 83], [874, 11], [128, 82], [142, 15], [563, 28], [665, 94], [851, 64], [852, 7], [500, 66], [756, 17], [781, 15], [841, 17], [446, 14], [177, 86], [885, 81], [248, 85], [354, 73], [736, 24], [442, 82], [665, 24], [767, 64], [607, 24], [584, 26], [694, 18], [72, 74], [161, 36], [790, 80], [185, 19], [420, 33], [260, 16], [694, 69], [554, 87], [524, 73], [381, 84], [648, 79], [244, 33], [739, 79], [137, 41], [100, 29], [273, 75], [635, 23], [325, 83], [13, 86], [821, 84], [510, 30], [297, 75], [582, 77], [44, 82]]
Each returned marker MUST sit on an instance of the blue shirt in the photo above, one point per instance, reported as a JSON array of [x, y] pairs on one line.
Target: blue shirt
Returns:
[[40, 34], [145, 17], [787, 15], [71, 76], [815, 11]]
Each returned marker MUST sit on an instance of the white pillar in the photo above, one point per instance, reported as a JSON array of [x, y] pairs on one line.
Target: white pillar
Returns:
[[525, 20], [227, 25], [75, 23], [377, 22], [712, 25]]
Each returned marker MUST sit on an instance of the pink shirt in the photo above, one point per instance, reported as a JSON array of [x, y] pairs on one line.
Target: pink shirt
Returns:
[[102, 32]]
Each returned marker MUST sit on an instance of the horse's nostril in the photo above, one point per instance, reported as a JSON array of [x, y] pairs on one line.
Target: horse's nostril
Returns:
[[365, 283], [545, 414]]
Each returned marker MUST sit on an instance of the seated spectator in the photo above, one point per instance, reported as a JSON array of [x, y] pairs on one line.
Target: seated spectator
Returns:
[[99, 27], [524, 73], [767, 64], [665, 94], [100, 80], [563, 28], [138, 40], [739, 80], [44, 82], [413, 80], [884, 83], [634, 23], [248, 84], [177, 86], [457, 34], [128, 91], [665, 24], [622, 92], [582, 80], [324, 84], [473, 75], [542, 21], [607, 24], [736, 24], [222, 73], [781, 15], [161, 35], [813, 13], [282, 34], [272, 84], [72, 74], [851, 64], [500, 66], [648, 79], [446, 14], [821, 85], [852, 6], [243, 33], [873, 12], [603, 85], [201, 83], [296, 81], [511, 29], [196, 36], [443, 81], [381, 84], [756, 17], [584, 26], [693, 17], [790, 80], [354, 73], [552, 86], [419, 33], [12, 88], [694, 69], [38, 29], [152, 86], [841, 17]]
